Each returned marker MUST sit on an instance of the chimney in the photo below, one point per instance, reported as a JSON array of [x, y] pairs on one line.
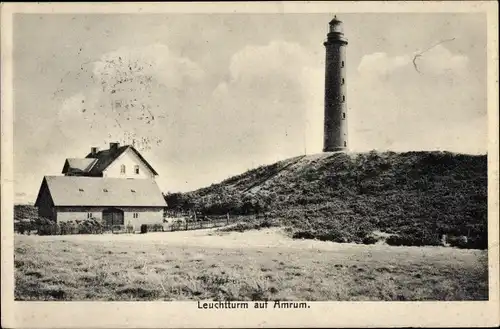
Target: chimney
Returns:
[[94, 150], [114, 146]]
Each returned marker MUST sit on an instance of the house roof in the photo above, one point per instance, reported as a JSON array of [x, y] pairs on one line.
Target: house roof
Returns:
[[106, 157], [102, 191], [78, 165]]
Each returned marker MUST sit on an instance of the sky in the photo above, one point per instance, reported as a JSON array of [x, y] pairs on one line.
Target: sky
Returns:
[[208, 96]]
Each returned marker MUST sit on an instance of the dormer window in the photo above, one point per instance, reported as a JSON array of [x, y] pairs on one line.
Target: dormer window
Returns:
[[122, 169], [136, 169]]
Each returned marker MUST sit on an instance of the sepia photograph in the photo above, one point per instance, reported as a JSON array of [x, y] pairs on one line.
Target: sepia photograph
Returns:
[[250, 160]]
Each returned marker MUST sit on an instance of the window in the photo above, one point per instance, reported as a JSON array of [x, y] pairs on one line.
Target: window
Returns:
[[122, 169], [136, 169], [135, 215], [89, 215], [343, 116]]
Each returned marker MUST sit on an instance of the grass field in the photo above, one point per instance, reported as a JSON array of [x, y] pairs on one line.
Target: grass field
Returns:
[[254, 265]]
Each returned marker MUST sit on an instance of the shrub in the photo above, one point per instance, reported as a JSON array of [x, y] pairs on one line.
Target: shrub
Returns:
[[462, 242], [369, 239], [49, 229], [24, 226], [154, 227], [303, 235], [240, 227], [394, 240], [413, 240], [268, 223], [90, 226], [45, 226], [333, 236], [177, 224], [69, 227]]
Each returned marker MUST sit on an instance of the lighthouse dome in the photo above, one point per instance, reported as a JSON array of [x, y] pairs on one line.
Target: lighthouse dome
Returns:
[[336, 25]]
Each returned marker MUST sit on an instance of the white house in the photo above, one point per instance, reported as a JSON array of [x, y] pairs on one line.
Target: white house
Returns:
[[116, 185]]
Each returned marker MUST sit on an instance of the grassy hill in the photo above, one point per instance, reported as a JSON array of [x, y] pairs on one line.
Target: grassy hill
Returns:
[[412, 198]]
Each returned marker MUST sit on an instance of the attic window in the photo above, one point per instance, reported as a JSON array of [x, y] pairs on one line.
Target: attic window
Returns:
[[105, 190], [80, 189]]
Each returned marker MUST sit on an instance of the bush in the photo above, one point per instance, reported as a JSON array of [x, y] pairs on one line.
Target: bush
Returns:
[[90, 226], [49, 229], [462, 242], [303, 235], [177, 224], [46, 226], [333, 236], [69, 227], [369, 240], [268, 223], [155, 227], [24, 226], [416, 240]]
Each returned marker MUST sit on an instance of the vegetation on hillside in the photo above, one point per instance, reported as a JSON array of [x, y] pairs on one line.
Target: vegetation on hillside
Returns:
[[417, 197]]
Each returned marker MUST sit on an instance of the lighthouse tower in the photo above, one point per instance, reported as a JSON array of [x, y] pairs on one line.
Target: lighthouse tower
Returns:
[[335, 129]]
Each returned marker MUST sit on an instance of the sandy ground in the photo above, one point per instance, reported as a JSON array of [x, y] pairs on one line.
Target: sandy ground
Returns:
[[266, 238]]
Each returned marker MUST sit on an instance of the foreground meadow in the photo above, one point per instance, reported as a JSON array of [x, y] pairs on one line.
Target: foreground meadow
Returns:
[[255, 265]]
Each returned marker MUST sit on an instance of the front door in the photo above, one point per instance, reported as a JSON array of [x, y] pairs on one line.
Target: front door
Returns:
[[112, 217]]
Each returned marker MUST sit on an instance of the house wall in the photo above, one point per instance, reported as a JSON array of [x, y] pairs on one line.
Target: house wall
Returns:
[[45, 205], [129, 159], [146, 215]]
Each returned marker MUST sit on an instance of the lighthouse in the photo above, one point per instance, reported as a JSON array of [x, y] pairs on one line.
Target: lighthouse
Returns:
[[335, 124]]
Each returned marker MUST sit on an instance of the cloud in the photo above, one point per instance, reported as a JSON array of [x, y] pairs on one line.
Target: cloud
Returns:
[[379, 63], [397, 107], [131, 94], [156, 61], [436, 61], [265, 103]]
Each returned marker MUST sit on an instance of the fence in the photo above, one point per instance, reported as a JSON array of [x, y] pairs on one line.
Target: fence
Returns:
[[200, 223], [194, 222], [179, 223]]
